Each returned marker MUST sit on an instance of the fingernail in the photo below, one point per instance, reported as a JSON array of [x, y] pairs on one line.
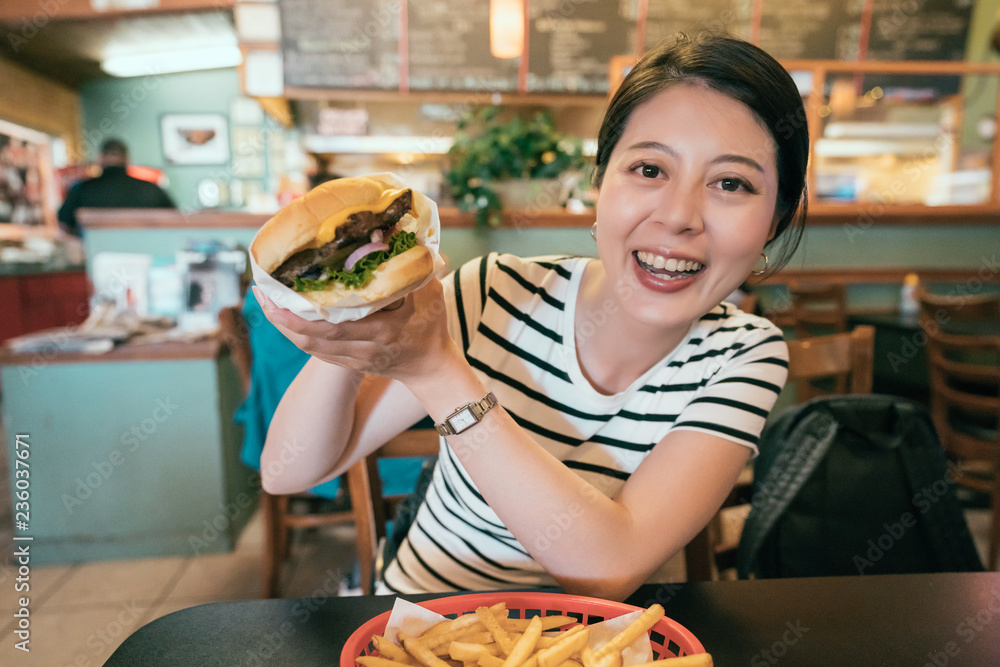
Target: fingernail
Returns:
[[264, 302]]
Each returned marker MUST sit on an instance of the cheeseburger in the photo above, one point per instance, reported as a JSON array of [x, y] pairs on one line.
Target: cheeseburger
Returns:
[[347, 242]]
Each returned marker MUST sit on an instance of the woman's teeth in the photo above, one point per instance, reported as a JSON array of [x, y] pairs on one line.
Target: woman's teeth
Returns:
[[659, 263]]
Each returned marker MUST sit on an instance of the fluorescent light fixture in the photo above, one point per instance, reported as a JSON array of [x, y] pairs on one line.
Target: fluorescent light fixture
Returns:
[[167, 62]]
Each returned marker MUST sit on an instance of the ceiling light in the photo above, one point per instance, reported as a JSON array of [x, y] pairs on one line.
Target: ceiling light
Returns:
[[166, 62], [506, 28]]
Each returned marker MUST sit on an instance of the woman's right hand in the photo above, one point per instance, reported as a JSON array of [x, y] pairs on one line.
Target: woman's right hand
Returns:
[[407, 342]]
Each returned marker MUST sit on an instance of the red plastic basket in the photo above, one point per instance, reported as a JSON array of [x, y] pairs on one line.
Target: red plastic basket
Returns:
[[668, 637]]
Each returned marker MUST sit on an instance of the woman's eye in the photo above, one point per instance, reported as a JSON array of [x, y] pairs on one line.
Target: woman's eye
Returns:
[[734, 185], [649, 171]]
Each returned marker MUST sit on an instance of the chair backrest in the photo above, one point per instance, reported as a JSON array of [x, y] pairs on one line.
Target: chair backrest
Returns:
[[964, 372], [818, 308], [371, 509], [844, 361], [965, 391]]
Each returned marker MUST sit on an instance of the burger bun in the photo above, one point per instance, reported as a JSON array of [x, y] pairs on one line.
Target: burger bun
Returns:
[[296, 226]]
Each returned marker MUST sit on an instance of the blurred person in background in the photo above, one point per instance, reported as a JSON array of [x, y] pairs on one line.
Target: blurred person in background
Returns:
[[114, 188]]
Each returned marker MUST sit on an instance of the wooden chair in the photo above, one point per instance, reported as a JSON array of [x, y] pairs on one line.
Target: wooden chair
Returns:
[[372, 510], [368, 510], [965, 394], [818, 309], [846, 359], [833, 364], [284, 513]]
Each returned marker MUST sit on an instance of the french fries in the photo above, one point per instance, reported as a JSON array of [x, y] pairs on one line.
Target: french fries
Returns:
[[488, 638]]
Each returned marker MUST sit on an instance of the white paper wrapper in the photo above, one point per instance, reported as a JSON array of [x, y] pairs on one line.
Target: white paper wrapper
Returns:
[[414, 620], [286, 297]]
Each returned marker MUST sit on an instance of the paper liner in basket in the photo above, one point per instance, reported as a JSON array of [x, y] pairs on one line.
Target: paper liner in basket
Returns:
[[415, 620], [430, 237]]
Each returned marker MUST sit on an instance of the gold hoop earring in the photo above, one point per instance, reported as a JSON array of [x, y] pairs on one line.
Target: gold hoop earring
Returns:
[[593, 231], [764, 270]]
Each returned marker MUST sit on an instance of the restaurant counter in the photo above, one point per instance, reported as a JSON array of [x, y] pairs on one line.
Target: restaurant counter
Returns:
[[892, 620], [132, 453]]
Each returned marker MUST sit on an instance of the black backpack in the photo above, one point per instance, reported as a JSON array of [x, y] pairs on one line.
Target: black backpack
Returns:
[[854, 484]]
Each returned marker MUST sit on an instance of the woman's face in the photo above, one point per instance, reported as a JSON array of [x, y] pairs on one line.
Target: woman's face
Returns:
[[686, 205]]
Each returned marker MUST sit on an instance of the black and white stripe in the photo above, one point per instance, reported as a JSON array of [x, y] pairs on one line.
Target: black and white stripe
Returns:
[[514, 319]]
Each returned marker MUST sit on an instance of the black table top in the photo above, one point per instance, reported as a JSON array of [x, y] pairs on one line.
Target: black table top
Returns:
[[892, 620]]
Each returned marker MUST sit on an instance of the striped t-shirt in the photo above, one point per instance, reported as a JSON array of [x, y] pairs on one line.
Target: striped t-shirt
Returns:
[[514, 318]]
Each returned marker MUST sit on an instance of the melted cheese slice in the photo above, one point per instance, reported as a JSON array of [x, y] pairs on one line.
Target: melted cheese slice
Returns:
[[329, 227]]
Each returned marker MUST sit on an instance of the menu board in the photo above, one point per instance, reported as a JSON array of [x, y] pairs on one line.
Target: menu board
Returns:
[[570, 44], [448, 48], [340, 44], [929, 30], [444, 45], [666, 18], [810, 29]]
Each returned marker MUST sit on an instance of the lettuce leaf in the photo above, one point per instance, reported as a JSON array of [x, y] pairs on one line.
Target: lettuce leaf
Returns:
[[364, 271]]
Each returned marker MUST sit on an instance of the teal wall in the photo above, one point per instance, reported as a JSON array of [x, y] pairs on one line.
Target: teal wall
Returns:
[[130, 109]]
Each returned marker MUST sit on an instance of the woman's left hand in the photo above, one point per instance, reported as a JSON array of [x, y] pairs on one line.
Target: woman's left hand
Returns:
[[407, 342]]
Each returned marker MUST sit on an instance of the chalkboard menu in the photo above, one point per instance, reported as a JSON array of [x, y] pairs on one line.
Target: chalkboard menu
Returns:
[[570, 44], [666, 18], [340, 44], [449, 48], [810, 29], [929, 30], [444, 45]]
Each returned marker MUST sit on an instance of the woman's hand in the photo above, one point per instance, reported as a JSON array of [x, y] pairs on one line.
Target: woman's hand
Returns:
[[405, 342]]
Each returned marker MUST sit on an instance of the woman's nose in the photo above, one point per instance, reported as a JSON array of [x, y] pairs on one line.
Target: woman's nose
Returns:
[[679, 208]]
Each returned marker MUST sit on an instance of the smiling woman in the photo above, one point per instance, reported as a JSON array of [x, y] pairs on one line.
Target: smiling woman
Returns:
[[621, 392]]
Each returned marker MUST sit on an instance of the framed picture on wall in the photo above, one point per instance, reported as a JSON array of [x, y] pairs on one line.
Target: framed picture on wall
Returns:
[[195, 138]]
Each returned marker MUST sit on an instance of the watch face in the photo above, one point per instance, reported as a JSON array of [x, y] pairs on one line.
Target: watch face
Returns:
[[462, 420]]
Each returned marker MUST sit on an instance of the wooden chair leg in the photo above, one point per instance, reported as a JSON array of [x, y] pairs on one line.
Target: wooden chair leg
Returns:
[[698, 556], [272, 563], [281, 505], [358, 486], [993, 554]]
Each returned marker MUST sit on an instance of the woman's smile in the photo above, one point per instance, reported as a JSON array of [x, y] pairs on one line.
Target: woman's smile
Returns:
[[663, 274]]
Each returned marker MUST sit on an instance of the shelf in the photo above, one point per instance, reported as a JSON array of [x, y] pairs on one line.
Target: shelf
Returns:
[[873, 213], [863, 214]]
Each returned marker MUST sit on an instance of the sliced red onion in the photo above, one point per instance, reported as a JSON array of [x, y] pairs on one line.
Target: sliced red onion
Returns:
[[366, 249], [377, 236]]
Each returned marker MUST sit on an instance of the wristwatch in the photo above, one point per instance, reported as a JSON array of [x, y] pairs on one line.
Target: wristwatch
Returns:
[[467, 416]]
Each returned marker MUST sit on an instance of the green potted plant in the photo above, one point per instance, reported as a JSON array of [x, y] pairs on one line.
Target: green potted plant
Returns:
[[489, 151]]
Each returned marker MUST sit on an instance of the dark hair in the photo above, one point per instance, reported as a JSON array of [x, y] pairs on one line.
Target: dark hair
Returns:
[[114, 147], [745, 73]]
